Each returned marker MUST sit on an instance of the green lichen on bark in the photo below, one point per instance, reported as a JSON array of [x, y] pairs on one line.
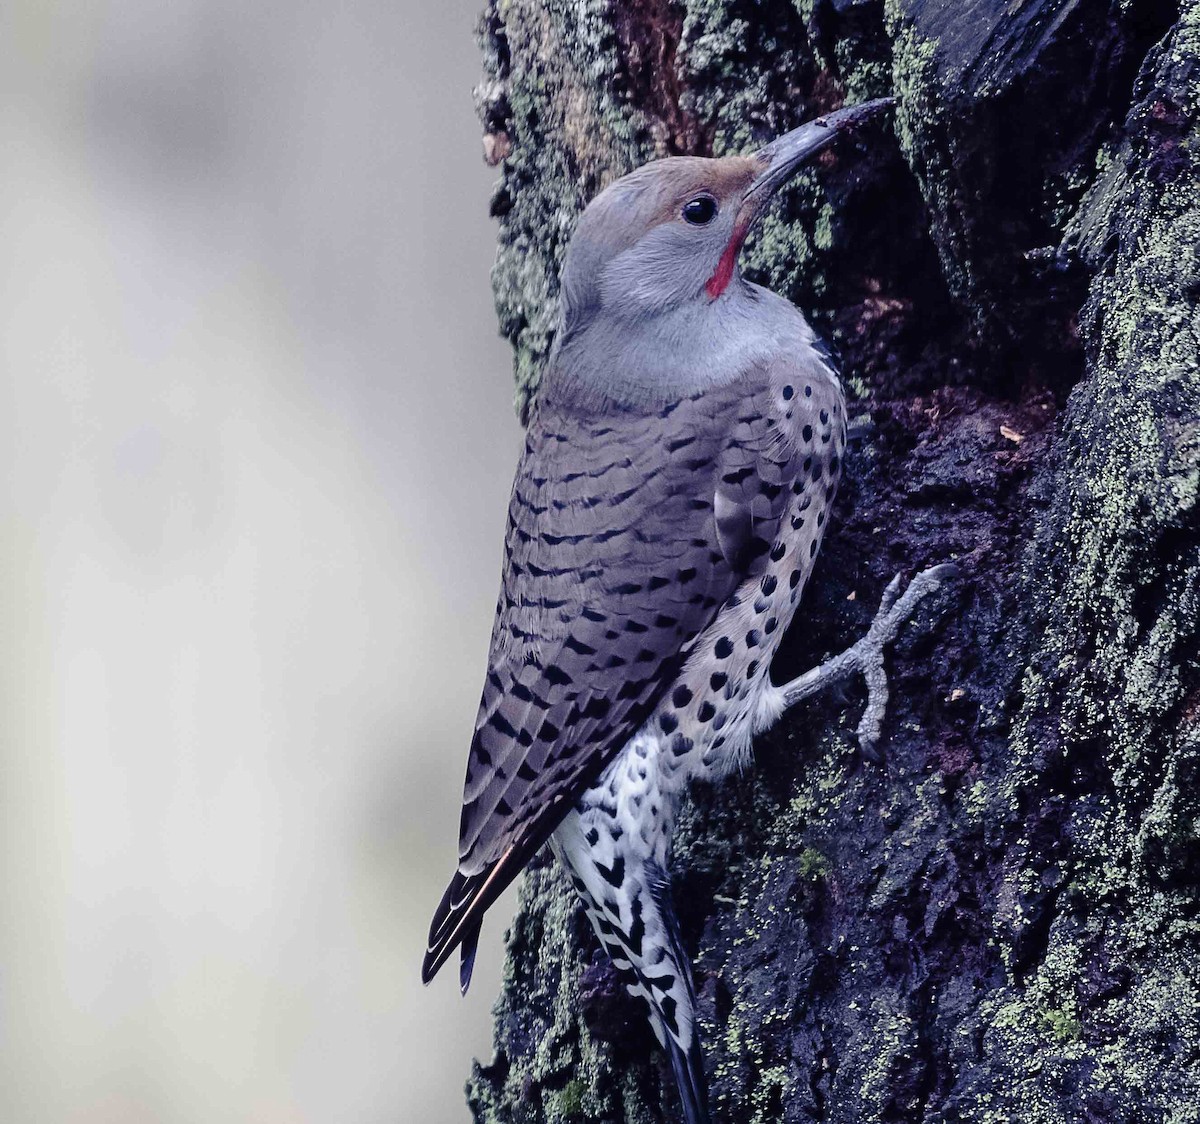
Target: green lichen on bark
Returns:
[[562, 126], [999, 121], [1001, 924], [1110, 722]]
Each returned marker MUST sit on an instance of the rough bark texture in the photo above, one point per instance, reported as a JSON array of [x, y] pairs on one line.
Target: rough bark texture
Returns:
[[1003, 922]]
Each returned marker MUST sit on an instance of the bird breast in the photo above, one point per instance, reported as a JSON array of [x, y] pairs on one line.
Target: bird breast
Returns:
[[705, 722]]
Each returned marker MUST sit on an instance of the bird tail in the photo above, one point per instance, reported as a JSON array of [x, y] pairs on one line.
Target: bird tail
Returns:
[[688, 1067], [686, 1062], [456, 924], [458, 916], [466, 966]]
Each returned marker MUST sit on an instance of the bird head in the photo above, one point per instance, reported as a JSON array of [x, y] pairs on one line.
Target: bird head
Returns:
[[670, 233]]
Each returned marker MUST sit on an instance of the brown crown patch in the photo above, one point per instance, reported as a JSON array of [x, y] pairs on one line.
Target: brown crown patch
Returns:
[[681, 178]]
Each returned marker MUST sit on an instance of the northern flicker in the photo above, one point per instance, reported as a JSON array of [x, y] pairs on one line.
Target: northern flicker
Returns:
[[678, 470]]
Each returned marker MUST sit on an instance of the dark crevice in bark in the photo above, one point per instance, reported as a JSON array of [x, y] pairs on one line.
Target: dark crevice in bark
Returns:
[[649, 32]]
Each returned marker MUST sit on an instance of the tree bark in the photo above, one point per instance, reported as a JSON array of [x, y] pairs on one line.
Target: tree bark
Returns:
[[1002, 922]]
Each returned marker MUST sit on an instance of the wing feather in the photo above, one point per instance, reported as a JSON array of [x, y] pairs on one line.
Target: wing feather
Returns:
[[626, 535]]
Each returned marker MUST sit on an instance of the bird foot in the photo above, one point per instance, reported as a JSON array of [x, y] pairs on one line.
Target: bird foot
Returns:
[[866, 656]]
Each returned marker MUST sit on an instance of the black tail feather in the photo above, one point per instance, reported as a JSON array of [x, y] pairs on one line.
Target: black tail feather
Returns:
[[457, 918], [470, 946], [660, 886], [687, 1065], [689, 1080], [448, 922]]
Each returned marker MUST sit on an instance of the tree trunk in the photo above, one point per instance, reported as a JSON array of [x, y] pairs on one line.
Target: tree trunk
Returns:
[[1002, 922]]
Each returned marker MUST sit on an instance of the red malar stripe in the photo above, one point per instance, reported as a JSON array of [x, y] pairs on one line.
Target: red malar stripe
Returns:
[[719, 281]]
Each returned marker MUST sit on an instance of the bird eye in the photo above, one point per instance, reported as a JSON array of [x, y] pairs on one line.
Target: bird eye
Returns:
[[700, 211]]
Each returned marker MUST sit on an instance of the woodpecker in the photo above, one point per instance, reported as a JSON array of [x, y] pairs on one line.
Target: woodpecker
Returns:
[[676, 481]]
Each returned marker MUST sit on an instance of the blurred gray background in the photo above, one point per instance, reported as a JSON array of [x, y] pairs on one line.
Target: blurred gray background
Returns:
[[255, 449]]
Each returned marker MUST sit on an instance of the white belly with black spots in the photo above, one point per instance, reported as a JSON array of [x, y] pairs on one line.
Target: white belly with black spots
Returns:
[[614, 843]]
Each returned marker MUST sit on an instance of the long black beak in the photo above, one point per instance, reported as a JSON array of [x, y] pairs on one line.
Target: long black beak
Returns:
[[784, 155], [779, 161]]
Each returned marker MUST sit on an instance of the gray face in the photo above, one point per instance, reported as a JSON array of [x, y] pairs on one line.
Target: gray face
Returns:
[[652, 307], [652, 241]]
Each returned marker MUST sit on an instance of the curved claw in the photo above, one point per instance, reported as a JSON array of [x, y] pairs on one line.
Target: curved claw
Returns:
[[890, 594], [870, 726], [895, 610], [936, 576]]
